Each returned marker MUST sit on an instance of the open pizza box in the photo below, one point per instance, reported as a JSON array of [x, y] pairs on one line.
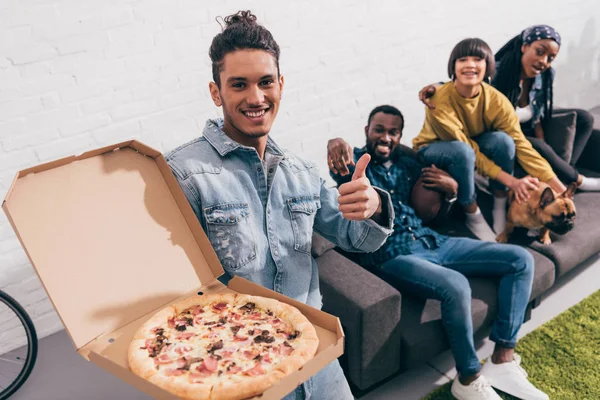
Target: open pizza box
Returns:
[[113, 240]]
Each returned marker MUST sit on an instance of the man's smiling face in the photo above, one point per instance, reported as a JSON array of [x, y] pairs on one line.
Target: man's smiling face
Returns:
[[250, 93], [383, 135]]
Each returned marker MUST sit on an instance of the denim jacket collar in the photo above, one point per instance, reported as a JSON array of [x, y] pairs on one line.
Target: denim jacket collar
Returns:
[[213, 132]]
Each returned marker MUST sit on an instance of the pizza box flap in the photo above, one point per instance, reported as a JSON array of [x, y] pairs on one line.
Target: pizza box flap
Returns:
[[111, 236]]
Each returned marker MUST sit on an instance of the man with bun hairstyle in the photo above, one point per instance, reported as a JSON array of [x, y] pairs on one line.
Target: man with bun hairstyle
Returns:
[[259, 204]]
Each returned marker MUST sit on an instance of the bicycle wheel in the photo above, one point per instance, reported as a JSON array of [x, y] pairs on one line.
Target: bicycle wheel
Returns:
[[18, 346]]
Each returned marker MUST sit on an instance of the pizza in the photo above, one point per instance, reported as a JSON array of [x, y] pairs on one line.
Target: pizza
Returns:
[[222, 346]]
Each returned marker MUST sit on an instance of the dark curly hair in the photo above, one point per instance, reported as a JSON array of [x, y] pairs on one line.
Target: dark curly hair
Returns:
[[241, 31], [472, 47]]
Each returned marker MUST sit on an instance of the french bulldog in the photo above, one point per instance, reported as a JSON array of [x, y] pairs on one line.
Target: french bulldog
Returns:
[[544, 210]]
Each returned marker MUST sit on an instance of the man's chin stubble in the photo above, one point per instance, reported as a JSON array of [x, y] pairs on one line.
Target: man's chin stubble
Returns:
[[256, 135]]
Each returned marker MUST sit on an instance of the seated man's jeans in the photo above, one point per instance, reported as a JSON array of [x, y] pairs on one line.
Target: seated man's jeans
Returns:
[[328, 384], [441, 274], [458, 158]]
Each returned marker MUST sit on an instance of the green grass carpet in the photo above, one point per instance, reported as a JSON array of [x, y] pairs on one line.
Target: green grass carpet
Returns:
[[562, 357]]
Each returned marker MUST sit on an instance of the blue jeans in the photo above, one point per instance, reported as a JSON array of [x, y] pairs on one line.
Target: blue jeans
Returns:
[[441, 274], [328, 384], [458, 158]]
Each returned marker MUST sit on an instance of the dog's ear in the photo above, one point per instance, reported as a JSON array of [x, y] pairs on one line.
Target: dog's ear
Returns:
[[546, 198], [570, 192]]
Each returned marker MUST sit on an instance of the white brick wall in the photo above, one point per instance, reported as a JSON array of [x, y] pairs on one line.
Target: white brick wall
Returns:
[[78, 74]]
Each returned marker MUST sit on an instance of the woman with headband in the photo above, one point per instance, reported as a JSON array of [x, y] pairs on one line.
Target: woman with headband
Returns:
[[524, 74]]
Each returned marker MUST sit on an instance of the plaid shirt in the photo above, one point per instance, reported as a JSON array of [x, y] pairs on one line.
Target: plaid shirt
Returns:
[[398, 180]]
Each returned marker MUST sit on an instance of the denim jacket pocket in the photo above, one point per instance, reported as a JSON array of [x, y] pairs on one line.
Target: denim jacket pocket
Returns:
[[302, 215], [230, 234]]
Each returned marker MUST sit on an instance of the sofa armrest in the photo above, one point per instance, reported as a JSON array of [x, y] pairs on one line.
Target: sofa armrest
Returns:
[[320, 245], [369, 309]]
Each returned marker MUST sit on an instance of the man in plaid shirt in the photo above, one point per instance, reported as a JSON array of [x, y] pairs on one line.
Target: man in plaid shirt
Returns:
[[424, 263], [396, 172]]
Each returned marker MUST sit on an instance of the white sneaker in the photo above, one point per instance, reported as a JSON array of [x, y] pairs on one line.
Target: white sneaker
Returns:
[[510, 378], [479, 389], [517, 359]]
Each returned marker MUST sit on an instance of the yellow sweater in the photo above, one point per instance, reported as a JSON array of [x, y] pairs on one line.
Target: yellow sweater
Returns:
[[457, 118]]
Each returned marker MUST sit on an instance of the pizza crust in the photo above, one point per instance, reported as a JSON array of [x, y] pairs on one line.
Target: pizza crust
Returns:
[[245, 387], [181, 387], [203, 300], [260, 302], [139, 362]]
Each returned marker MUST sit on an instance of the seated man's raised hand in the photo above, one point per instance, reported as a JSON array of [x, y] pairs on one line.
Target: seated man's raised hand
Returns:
[[339, 156]]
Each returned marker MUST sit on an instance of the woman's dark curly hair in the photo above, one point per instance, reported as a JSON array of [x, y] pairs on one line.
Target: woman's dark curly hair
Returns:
[[241, 31]]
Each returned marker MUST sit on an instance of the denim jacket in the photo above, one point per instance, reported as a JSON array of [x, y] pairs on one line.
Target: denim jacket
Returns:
[[260, 222], [536, 97]]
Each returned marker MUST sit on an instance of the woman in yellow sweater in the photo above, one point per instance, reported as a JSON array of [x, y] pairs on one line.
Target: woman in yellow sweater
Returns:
[[475, 127]]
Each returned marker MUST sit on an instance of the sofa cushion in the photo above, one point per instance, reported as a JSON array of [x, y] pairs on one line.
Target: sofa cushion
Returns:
[[589, 158], [588, 172], [560, 133]]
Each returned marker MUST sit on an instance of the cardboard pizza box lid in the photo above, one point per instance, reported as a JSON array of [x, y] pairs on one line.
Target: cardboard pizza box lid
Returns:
[[111, 236]]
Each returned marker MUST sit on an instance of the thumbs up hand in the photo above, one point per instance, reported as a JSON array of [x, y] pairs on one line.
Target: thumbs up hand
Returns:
[[358, 200]]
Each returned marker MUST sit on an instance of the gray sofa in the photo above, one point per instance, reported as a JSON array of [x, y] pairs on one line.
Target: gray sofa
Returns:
[[388, 332]]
